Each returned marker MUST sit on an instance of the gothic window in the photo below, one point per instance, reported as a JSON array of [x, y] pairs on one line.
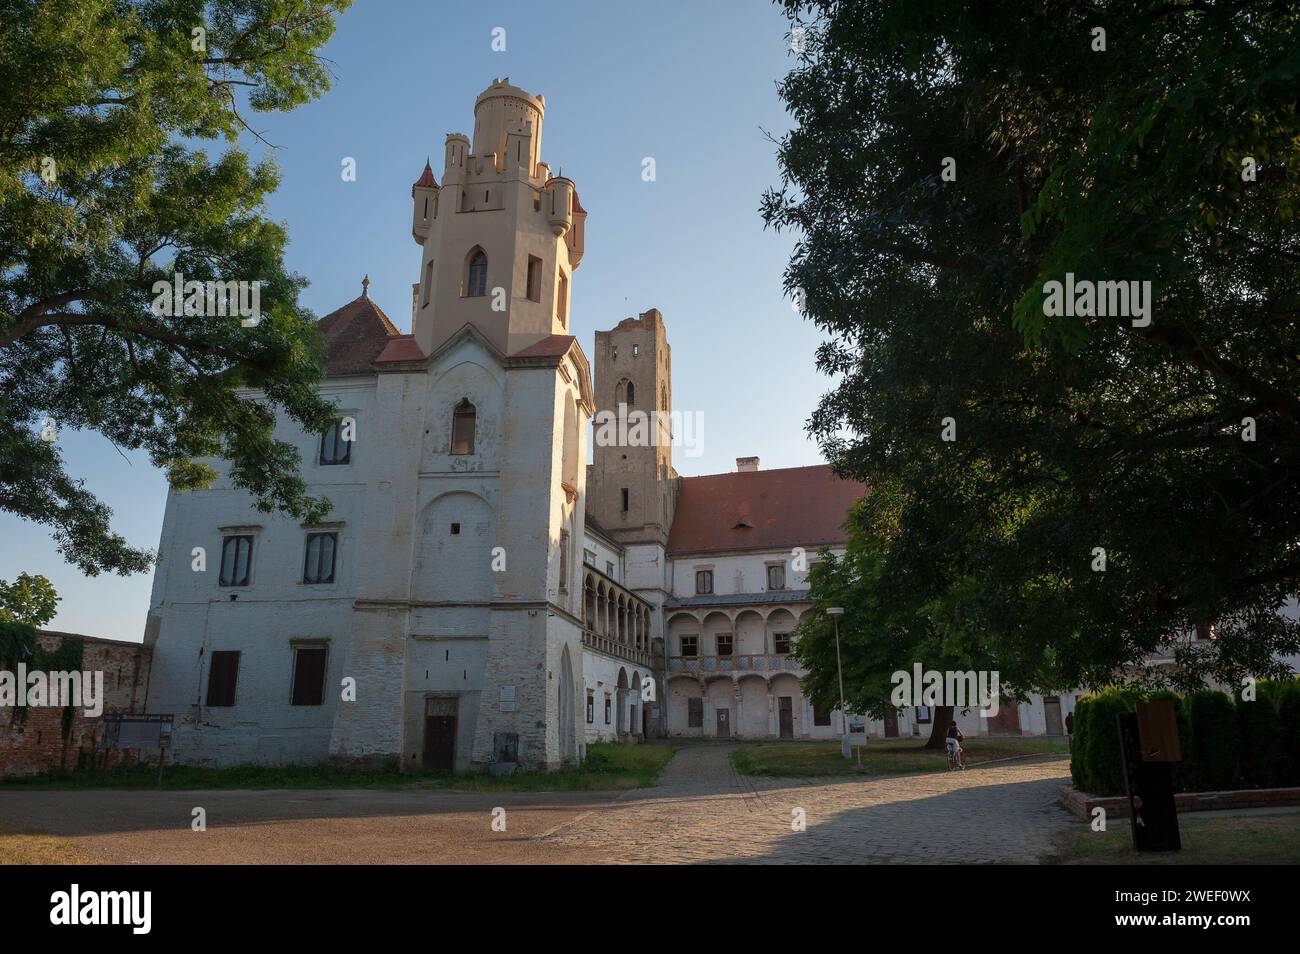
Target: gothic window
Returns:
[[663, 398], [476, 274], [631, 394], [562, 300], [462, 428]]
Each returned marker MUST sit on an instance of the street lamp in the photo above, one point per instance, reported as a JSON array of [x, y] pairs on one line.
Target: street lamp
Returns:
[[835, 612]]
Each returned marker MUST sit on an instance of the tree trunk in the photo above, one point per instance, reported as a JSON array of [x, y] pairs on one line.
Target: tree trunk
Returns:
[[941, 718]]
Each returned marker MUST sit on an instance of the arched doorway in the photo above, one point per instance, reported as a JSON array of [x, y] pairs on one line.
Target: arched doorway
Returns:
[[568, 730]]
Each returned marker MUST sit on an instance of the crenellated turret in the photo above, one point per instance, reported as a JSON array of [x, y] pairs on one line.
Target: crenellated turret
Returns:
[[500, 108], [455, 158], [500, 236]]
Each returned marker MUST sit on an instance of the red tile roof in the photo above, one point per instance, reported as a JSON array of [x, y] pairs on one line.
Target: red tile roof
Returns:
[[763, 510], [402, 348], [552, 346], [426, 180], [355, 335]]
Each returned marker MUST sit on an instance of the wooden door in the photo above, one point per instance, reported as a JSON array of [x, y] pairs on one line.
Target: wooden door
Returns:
[[724, 723], [440, 733], [787, 716], [439, 742], [891, 723], [1052, 713]]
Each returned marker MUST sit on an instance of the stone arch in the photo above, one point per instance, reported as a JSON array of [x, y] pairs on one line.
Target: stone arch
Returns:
[[779, 621], [682, 624], [715, 623]]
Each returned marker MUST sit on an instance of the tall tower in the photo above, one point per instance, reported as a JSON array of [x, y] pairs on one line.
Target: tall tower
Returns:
[[630, 491], [501, 236]]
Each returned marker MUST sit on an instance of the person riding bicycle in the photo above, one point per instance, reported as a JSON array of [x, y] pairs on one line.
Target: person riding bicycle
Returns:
[[953, 742]]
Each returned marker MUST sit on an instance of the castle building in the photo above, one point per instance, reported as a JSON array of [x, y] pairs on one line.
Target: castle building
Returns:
[[481, 595]]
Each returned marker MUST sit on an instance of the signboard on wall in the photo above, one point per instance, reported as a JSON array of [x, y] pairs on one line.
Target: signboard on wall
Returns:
[[135, 731]]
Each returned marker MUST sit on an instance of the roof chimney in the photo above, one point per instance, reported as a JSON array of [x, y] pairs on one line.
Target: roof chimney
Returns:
[[746, 464]]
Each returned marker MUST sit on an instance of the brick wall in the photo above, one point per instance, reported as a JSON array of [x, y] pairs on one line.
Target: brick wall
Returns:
[[37, 745]]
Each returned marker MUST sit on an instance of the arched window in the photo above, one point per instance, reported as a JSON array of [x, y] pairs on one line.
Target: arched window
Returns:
[[462, 428], [663, 397], [476, 273], [631, 394]]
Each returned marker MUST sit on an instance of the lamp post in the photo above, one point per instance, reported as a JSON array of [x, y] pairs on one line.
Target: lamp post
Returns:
[[835, 612]]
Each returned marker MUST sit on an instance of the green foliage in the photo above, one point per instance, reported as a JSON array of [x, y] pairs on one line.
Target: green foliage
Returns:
[[1288, 720], [1224, 745], [1099, 748], [113, 94], [28, 599], [19, 644], [1260, 741], [1082, 727], [1071, 434], [1210, 762]]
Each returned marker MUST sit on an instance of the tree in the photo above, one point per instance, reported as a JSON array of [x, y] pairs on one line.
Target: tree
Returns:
[[103, 202], [1066, 492], [29, 600]]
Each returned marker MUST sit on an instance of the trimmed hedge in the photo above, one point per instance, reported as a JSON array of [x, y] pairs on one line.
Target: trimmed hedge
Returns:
[[1210, 762], [1225, 744]]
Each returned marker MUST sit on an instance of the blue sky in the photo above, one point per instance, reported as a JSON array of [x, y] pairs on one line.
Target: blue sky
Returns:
[[691, 84]]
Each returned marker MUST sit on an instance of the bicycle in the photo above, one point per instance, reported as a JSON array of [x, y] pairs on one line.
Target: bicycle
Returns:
[[954, 760]]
